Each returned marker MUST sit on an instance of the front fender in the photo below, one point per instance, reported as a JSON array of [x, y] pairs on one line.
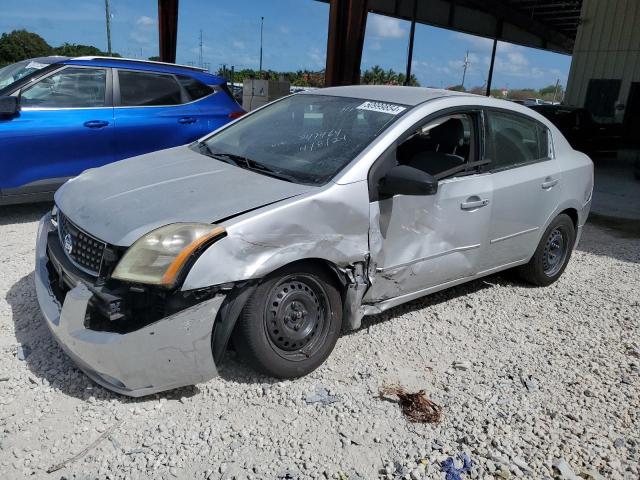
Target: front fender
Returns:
[[332, 225]]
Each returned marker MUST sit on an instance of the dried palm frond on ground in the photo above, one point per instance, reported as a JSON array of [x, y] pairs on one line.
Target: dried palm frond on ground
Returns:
[[415, 406]]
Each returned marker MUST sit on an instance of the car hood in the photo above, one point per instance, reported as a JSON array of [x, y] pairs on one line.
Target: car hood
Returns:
[[120, 202]]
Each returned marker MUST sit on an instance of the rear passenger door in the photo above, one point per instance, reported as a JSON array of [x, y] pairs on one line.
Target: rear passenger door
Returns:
[[152, 112], [526, 185]]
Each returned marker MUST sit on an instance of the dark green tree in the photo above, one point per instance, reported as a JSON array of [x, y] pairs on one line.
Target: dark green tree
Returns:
[[77, 50], [20, 45], [549, 89]]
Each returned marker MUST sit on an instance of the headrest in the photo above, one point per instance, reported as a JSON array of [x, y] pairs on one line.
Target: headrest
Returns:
[[449, 134]]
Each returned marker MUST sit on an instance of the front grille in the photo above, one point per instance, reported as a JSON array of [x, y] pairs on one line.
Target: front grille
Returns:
[[83, 250]]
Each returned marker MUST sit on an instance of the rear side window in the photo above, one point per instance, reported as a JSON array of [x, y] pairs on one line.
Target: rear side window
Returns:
[[194, 88], [68, 88], [514, 140], [148, 89]]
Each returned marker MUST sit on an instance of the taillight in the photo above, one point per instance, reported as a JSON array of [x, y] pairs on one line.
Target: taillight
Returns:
[[237, 114]]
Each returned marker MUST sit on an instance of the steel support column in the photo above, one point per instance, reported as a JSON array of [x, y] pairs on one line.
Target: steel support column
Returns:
[[493, 56], [347, 24], [168, 29], [412, 34], [493, 59]]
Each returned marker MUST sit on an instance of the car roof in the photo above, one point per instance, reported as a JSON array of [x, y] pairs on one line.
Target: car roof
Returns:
[[46, 60], [147, 65], [386, 93]]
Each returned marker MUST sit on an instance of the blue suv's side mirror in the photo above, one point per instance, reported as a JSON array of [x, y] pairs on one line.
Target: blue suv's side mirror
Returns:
[[9, 106]]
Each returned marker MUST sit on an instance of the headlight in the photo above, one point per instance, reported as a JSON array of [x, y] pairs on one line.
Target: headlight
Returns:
[[54, 216], [158, 257]]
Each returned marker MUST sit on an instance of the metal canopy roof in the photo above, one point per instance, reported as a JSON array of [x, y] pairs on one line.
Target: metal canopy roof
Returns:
[[546, 24]]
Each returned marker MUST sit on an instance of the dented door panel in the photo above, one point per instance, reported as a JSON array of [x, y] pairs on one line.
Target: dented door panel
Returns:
[[421, 241]]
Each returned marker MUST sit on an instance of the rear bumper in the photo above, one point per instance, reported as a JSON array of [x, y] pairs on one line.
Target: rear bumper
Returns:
[[582, 219], [172, 352]]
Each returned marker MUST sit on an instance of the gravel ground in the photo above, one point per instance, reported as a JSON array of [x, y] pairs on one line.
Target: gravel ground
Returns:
[[537, 382]]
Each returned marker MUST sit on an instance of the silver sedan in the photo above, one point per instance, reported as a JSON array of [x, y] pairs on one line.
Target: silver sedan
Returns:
[[287, 226]]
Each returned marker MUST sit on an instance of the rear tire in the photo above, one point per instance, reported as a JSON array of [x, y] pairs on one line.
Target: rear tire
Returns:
[[552, 254], [291, 323]]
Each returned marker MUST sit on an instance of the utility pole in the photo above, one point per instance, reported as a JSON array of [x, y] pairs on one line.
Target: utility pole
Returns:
[[261, 31], [108, 14], [466, 64], [200, 55]]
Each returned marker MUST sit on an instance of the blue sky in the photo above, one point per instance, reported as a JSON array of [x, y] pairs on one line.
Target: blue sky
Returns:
[[295, 37]]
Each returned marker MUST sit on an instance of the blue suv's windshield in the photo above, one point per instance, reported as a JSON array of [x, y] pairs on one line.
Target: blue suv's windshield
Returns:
[[304, 138], [16, 71]]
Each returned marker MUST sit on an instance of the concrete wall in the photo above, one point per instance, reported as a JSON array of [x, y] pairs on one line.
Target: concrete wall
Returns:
[[607, 47]]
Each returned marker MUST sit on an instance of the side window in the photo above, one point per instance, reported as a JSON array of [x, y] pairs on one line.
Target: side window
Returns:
[[515, 140], [194, 88], [148, 89], [440, 145], [69, 88]]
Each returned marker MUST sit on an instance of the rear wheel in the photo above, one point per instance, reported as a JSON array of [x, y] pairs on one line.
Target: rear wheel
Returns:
[[291, 323], [552, 254]]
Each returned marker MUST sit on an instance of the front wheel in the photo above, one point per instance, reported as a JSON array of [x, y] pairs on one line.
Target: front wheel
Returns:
[[552, 254], [291, 323]]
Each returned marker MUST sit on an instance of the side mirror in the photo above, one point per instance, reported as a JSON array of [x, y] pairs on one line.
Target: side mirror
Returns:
[[9, 106], [406, 180]]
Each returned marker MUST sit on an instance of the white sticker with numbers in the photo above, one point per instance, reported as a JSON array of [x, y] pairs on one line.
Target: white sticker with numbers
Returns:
[[382, 107]]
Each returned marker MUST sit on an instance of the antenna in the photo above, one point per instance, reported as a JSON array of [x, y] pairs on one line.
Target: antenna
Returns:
[[200, 56], [465, 64]]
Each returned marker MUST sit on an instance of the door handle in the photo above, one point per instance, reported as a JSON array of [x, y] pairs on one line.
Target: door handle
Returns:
[[474, 204], [187, 120], [96, 124], [549, 183]]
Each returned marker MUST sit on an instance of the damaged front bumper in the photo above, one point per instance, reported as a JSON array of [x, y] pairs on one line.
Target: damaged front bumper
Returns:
[[169, 353]]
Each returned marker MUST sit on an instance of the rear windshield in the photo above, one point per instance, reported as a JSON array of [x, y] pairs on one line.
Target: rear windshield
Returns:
[[307, 137]]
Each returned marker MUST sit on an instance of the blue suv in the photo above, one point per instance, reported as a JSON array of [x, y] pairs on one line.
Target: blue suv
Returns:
[[85, 112]]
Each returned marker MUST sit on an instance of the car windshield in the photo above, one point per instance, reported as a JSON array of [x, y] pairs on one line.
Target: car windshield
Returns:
[[16, 71], [304, 138]]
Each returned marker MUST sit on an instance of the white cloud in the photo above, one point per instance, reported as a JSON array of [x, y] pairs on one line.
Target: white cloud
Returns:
[[238, 44], [316, 58], [517, 58], [479, 43], [144, 33], [386, 27], [145, 21]]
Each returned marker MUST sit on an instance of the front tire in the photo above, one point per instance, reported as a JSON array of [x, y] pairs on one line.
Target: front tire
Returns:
[[291, 323], [552, 254]]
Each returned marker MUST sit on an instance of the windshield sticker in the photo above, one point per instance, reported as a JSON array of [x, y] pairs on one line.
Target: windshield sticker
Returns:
[[36, 65], [382, 107]]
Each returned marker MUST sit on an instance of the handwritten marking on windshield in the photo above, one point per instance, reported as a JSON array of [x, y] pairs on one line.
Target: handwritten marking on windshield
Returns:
[[323, 139]]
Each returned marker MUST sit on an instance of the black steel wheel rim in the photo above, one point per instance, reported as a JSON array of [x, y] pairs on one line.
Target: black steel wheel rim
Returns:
[[555, 251], [297, 317]]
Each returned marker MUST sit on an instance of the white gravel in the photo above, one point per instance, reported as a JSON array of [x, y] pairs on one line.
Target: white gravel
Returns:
[[545, 384]]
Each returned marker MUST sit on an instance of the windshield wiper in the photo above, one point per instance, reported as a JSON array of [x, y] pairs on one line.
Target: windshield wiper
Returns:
[[245, 162]]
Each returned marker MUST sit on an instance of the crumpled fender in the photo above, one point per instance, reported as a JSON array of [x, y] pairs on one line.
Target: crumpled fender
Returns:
[[331, 223]]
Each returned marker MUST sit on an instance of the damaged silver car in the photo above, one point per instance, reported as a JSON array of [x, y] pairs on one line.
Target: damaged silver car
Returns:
[[287, 226]]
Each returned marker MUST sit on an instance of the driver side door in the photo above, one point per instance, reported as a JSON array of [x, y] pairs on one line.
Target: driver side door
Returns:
[[65, 126], [421, 243]]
